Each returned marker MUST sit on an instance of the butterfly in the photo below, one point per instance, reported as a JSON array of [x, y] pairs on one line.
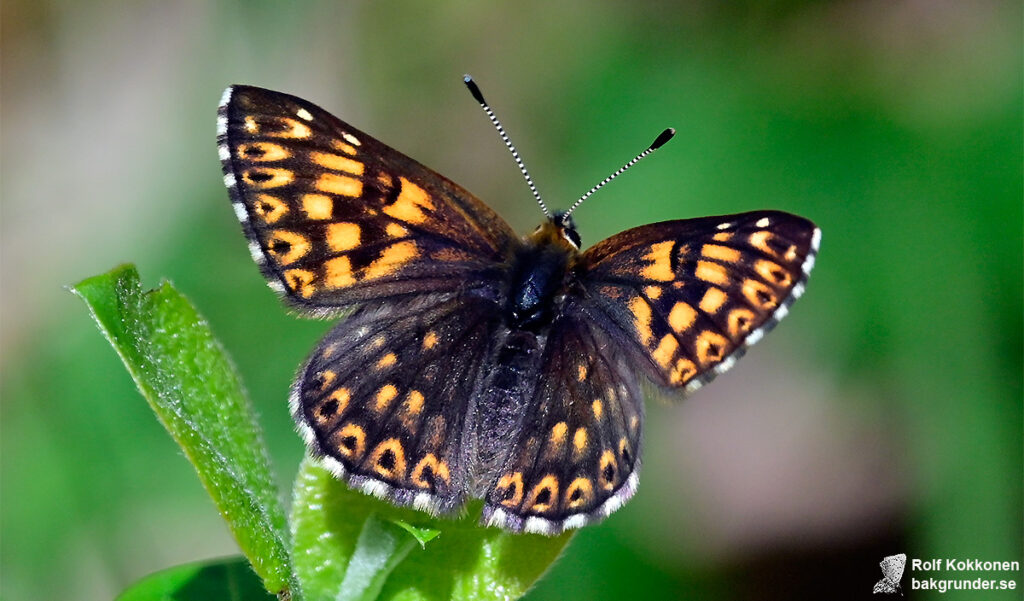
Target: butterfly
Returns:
[[892, 573], [473, 363]]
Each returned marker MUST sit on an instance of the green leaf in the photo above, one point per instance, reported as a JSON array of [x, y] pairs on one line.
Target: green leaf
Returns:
[[229, 579], [183, 372], [380, 548], [464, 562], [422, 535]]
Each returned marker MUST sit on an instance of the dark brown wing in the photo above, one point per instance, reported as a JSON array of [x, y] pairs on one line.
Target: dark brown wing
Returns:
[[575, 458], [335, 217], [383, 398], [692, 295]]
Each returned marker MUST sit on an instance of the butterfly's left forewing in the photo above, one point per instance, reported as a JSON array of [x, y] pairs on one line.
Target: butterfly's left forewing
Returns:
[[335, 217], [692, 295]]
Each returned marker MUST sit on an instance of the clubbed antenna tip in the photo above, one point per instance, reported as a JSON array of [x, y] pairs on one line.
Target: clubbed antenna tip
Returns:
[[663, 137], [474, 89]]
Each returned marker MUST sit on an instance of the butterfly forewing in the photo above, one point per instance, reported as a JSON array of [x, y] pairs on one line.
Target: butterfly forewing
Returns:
[[691, 295], [575, 457], [335, 217], [384, 397]]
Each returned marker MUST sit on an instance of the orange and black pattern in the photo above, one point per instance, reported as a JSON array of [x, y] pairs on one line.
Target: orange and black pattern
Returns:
[[474, 363]]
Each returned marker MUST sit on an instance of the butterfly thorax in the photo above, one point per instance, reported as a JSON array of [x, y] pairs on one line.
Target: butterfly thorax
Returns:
[[538, 276]]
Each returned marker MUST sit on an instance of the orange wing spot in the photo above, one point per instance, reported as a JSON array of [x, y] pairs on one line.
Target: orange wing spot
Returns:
[[269, 208], [712, 272], [659, 260], [598, 408], [666, 350], [581, 372], [681, 317], [430, 340], [396, 231], [387, 361], [611, 291], [410, 204], [251, 126], [267, 177], [410, 410], [339, 273], [343, 236], [790, 254], [720, 253], [337, 162], [350, 441], [512, 484], [740, 322], [301, 281], [772, 272], [627, 457], [384, 180], [759, 240], [329, 351], [722, 237], [263, 152], [451, 255], [579, 440], [683, 370], [435, 432], [326, 377], [713, 300], [544, 496], [580, 493], [437, 470], [391, 258], [317, 206], [346, 148], [557, 437], [711, 347], [759, 295], [385, 395], [608, 470], [287, 247], [388, 459], [290, 128], [653, 292], [342, 185], [641, 311], [378, 341], [342, 396]]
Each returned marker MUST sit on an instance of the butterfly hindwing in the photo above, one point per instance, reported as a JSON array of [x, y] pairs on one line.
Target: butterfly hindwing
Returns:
[[575, 458], [383, 398], [692, 295], [335, 217]]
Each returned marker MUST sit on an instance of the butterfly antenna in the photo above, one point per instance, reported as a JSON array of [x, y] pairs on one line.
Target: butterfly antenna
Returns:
[[663, 137], [475, 91]]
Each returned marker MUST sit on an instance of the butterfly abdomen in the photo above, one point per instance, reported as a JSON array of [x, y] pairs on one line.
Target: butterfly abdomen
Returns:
[[497, 412]]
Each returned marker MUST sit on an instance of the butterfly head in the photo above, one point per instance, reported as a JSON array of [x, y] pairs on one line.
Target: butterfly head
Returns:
[[559, 230]]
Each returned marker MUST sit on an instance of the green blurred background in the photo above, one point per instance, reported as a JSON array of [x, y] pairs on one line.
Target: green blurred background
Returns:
[[883, 416]]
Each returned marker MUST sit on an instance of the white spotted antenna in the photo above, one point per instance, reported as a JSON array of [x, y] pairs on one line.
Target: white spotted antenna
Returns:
[[663, 137], [475, 91]]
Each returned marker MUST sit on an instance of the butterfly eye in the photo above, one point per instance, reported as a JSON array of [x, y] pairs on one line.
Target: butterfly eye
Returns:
[[570, 234]]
